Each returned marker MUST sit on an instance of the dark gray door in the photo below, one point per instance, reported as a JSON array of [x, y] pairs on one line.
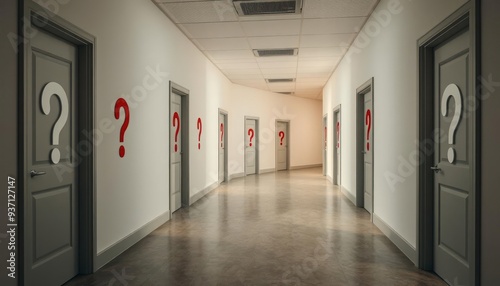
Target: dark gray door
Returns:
[[222, 147], [453, 191], [336, 142], [250, 146], [368, 152], [175, 152], [325, 143], [282, 145], [51, 206]]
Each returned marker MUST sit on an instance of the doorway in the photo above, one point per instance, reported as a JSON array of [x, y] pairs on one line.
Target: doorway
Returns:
[[365, 148], [57, 160], [325, 143], [282, 145], [251, 145], [222, 129], [336, 142], [449, 119], [179, 147]]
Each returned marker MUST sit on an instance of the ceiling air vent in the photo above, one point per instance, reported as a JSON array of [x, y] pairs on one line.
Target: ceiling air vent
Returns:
[[275, 52], [267, 7], [280, 80], [287, 92]]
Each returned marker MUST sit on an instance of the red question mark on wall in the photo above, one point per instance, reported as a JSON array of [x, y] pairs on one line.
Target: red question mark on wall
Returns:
[[251, 133], [221, 135], [369, 123], [282, 136], [338, 134], [199, 124], [176, 122], [122, 103]]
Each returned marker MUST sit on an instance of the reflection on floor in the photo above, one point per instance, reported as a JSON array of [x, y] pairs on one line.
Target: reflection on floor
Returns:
[[286, 228]]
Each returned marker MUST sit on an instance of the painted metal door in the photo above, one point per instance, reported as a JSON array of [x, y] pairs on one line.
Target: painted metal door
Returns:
[[368, 152], [337, 148], [175, 152], [222, 136], [453, 190], [51, 195], [282, 139], [250, 146], [325, 143]]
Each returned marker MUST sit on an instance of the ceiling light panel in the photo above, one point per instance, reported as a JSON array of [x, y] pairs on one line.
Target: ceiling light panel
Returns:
[[213, 30], [200, 12], [267, 7]]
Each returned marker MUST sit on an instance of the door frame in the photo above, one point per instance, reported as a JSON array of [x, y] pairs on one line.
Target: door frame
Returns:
[[465, 17], [226, 161], [184, 93], [325, 143], [31, 14], [337, 113], [287, 142], [360, 142], [256, 142]]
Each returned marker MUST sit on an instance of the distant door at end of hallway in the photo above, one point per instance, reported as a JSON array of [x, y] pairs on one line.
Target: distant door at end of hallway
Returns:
[[282, 145], [222, 146], [325, 143], [175, 152], [250, 146], [336, 143], [368, 152], [51, 245]]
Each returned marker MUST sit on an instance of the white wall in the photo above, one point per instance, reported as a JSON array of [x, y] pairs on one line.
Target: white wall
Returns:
[[132, 38], [386, 50]]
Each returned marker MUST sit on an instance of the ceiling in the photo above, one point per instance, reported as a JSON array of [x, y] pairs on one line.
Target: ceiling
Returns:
[[322, 33]]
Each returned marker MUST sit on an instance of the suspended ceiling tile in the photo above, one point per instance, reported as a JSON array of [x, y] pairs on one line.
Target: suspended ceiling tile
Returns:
[[322, 52], [241, 71], [318, 80], [244, 76], [275, 42], [213, 30], [305, 86], [269, 65], [253, 85], [275, 71], [222, 44], [250, 65], [323, 69], [313, 75], [319, 64], [259, 81], [234, 54], [328, 60], [338, 8], [233, 61], [280, 75], [332, 26], [277, 59], [271, 28], [331, 40], [200, 12]]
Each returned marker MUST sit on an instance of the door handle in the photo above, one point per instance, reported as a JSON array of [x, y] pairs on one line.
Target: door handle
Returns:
[[34, 173], [363, 152], [436, 169]]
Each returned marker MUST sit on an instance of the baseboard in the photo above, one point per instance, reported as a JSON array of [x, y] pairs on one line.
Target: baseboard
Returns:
[[194, 198], [306, 167], [399, 241], [348, 194], [111, 252], [265, 171], [329, 178], [235, 176]]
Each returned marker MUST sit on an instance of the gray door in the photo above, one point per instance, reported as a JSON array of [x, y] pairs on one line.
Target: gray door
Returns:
[[175, 152], [368, 152], [222, 147], [337, 148], [282, 139], [325, 143], [250, 146], [51, 203], [453, 191]]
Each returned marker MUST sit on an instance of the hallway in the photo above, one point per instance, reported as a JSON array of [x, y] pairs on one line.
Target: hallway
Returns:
[[286, 228]]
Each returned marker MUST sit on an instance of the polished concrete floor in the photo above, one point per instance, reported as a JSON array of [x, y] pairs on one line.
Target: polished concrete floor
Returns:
[[286, 228]]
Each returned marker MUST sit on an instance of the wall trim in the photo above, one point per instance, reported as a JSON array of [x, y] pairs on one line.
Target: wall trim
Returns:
[[236, 176], [111, 252], [306, 166], [397, 239], [329, 178], [348, 194], [265, 171], [194, 198]]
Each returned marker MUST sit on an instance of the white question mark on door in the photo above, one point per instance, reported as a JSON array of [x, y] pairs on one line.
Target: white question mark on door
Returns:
[[452, 90], [53, 88]]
